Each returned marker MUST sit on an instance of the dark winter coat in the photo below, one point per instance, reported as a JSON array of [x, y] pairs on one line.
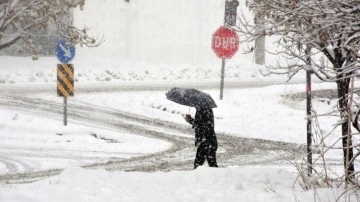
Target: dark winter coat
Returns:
[[204, 127]]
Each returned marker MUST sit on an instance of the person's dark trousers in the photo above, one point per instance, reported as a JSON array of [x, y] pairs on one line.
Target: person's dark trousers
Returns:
[[206, 151]]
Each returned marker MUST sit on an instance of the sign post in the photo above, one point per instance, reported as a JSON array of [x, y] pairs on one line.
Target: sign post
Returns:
[[222, 78], [65, 52], [225, 43], [308, 112]]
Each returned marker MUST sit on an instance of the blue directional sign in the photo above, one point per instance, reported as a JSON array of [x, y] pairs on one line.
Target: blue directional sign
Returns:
[[65, 51]]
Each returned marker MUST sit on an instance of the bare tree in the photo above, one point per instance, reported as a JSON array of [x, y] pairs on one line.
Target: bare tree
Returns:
[[331, 30], [21, 19]]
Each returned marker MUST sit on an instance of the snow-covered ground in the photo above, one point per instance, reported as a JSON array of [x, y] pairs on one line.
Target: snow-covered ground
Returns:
[[248, 112], [126, 60], [204, 184]]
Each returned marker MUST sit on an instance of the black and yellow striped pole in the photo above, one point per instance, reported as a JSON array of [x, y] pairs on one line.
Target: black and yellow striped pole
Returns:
[[65, 84]]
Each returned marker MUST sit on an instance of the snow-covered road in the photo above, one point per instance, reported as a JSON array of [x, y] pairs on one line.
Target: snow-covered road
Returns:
[[178, 155]]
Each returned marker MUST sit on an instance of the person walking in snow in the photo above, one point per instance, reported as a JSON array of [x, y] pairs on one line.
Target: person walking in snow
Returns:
[[205, 137]]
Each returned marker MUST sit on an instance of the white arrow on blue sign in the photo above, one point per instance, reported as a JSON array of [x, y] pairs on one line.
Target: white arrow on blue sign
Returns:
[[65, 51]]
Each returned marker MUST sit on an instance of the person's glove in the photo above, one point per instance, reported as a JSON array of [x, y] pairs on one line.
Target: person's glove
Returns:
[[187, 117]]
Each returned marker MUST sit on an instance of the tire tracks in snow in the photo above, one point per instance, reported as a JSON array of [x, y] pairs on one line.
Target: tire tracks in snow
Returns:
[[232, 150]]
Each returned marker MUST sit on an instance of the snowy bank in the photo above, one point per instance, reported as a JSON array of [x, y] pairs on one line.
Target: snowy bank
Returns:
[[75, 184]]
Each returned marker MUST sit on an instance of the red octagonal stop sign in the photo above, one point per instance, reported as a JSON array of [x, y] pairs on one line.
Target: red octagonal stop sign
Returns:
[[225, 42]]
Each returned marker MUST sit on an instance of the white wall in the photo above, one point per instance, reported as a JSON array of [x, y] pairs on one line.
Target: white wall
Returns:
[[155, 31]]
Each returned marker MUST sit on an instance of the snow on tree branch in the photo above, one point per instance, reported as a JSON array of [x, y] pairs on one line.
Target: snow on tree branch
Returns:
[[330, 27], [20, 20]]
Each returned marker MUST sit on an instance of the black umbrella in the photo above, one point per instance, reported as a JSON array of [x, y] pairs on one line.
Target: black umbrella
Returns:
[[191, 97]]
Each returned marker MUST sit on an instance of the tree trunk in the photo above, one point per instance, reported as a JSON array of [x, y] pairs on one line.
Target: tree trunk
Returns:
[[343, 90], [260, 40], [260, 50]]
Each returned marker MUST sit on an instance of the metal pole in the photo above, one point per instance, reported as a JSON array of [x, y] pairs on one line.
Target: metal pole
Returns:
[[308, 128], [65, 111], [222, 78], [348, 134], [223, 60], [308, 112]]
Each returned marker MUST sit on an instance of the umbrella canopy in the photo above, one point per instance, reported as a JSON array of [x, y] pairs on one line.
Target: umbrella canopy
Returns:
[[191, 97]]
